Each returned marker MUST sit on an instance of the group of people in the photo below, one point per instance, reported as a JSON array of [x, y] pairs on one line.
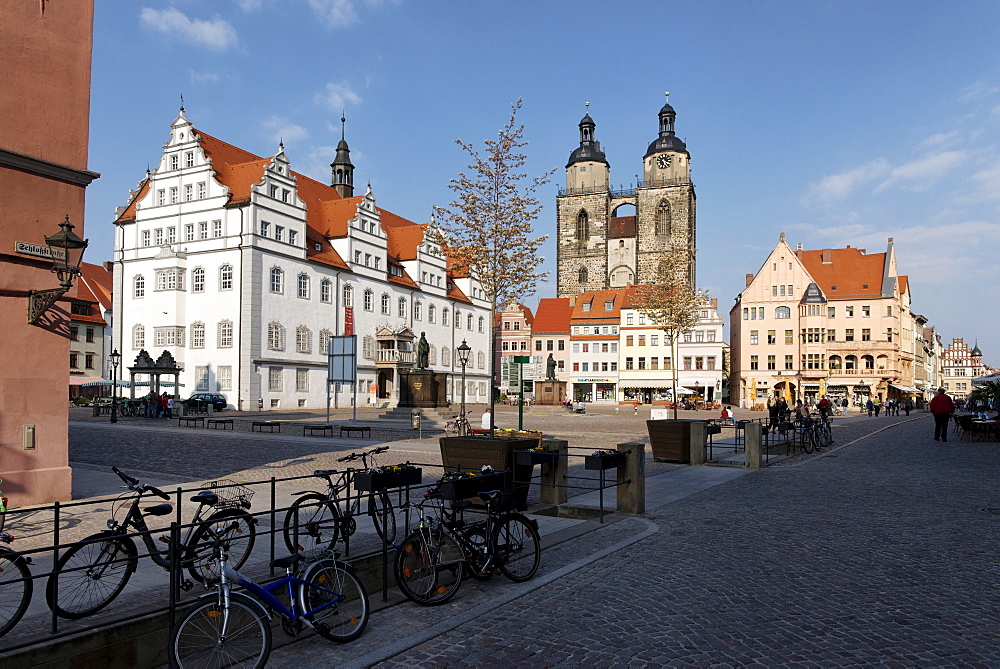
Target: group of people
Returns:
[[159, 406], [891, 407]]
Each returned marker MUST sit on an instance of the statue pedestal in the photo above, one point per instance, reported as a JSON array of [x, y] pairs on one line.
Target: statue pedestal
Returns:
[[550, 393], [422, 388]]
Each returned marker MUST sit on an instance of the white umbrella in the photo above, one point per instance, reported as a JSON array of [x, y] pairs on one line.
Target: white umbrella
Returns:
[[684, 391]]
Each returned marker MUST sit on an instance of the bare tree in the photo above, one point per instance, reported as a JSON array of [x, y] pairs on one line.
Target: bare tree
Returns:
[[671, 302], [488, 228]]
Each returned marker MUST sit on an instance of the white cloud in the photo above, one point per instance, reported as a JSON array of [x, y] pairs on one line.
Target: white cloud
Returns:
[[977, 91], [336, 13], [203, 77], [250, 5], [918, 174], [987, 184], [838, 186], [941, 138], [279, 129], [216, 34], [337, 96]]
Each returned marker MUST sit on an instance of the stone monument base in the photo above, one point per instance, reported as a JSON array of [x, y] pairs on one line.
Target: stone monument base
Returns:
[[550, 393], [423, 388]]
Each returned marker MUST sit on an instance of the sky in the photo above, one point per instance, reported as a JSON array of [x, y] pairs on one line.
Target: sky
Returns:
[[836, 122]]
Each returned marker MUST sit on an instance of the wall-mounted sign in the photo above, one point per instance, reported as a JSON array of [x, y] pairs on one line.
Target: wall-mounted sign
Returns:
[[38, 250]]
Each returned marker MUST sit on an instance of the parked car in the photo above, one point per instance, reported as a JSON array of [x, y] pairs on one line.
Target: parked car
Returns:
[[200, 402]]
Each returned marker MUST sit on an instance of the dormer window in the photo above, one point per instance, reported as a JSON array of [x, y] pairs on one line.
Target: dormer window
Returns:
[[318, 246], [587, 306], [609, 305]]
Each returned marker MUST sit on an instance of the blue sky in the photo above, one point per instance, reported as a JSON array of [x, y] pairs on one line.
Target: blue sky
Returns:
[[835, 122]]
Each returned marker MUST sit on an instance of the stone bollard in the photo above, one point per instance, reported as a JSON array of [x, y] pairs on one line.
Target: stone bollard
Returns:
[[699, 442], [209, 408], [179, 408], [553, 486], [752, 435], [631, 496]]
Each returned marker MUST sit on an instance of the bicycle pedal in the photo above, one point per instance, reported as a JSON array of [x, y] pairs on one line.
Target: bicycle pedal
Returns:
[[186, 585]]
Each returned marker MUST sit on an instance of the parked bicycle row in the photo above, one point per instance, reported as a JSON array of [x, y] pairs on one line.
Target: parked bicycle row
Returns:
[[91, 573]]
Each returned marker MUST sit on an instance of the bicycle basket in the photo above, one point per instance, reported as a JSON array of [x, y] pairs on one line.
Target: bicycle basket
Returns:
[[232, 495]]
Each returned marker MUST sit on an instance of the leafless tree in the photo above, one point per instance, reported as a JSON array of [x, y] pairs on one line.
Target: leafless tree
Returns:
[[671, 302], [488, 229]]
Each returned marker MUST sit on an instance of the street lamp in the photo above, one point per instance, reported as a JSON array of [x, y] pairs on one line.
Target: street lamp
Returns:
[[66, 249], [464, 351], [116, 358]]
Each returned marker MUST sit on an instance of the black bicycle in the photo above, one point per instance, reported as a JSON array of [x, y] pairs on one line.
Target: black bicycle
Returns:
[[316, 520], [433, 559], [92, 572]]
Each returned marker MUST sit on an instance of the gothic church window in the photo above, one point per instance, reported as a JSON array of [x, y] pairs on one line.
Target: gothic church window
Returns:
[[663, 218], [583, 275], [582, 226]]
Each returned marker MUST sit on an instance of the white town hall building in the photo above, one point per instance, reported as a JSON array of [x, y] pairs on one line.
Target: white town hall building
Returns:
[[242, 268]]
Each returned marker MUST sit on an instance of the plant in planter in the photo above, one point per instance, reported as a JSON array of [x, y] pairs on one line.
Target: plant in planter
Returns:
[[535, 456], [393, 476], [462, 485], [604, 459]]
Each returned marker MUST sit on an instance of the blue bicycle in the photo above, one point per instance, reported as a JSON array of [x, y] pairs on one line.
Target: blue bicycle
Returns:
[[228, 628]]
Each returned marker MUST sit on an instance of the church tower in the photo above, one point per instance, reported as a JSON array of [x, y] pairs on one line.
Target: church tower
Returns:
[[610, 238], [343, 171]]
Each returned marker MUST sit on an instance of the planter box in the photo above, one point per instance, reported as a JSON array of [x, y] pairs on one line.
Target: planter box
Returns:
[[599, 462], [382, 480], [457, 489], [467, 453], [671, 439], [532, 457]]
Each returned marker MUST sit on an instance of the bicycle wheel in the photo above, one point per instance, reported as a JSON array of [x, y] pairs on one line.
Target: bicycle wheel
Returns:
[[15, 589], [383, 516], [475, 558], [207, 637], [825, 434], [233, 526], [429, 565], [317, 520], [90, 575], [805, 440], [516, 547], [334, 601]]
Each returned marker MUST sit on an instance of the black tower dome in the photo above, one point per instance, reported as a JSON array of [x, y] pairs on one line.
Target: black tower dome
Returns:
[[589, 149], [667, 141]]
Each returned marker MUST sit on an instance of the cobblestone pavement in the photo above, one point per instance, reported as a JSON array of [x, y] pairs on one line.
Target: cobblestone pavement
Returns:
[[881, 553]]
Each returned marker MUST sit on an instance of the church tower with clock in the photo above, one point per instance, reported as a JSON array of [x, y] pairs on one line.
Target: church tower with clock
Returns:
[[610, 238]]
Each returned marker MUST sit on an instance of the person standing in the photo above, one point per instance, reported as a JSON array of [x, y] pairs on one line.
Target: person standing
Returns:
[[824, 407], [772, 416], [170, 406], [942, 407], [908, 406], [871, 407]]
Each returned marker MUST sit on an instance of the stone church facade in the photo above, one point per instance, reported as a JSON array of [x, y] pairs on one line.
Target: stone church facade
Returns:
[[609, 238]]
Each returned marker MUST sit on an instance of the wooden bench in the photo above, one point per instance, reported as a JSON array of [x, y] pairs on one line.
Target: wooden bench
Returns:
[[362, 430], [259, 425], [311, 430], [479, 432], [188, 421], [225, 423]]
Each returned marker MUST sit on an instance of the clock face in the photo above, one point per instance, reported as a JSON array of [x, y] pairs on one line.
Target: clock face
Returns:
[[663, 162]]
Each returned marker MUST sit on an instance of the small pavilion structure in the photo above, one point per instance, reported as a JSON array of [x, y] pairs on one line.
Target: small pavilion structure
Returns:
[[154, 369]]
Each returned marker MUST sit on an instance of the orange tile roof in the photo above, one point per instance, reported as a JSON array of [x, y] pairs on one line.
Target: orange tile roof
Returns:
[[456, 293], [99, 282], [848, 269], [84, 294], [621, 226], [552, 316], [597, 299]]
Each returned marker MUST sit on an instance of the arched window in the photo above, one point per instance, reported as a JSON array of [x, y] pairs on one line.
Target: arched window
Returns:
[[139, 287], [369, 299], [482, 324], [225, 338], [138, 337], [276, 337], [348, 295], [444, 317], [385, 304], [197, 335], [277, 280], [402, 307], [468, 323], [663, 218], [324, 341], [431, 314], [458, 319], [325, 291], [198, 280], [583, 275], [418, 310], [446, 356], [868, 362], [481, 360], [226, 277], [782, 312], [582, 226], [303, 286], [303, 339]]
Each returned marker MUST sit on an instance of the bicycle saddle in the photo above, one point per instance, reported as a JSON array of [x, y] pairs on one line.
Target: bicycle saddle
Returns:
[[325, 472], [489, 495], [285, 562], [158, 510], [207, 498]]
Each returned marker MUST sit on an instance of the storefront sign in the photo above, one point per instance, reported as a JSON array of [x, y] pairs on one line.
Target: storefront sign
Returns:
[[38, 250]]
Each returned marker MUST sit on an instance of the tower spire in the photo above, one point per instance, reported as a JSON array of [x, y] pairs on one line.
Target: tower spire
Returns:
[[343, 170]]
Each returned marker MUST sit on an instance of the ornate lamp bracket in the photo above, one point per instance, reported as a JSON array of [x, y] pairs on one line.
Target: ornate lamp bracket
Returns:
[[39, 302]]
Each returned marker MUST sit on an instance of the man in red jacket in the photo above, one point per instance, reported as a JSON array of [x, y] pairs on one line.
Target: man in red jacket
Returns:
[[942, 407]]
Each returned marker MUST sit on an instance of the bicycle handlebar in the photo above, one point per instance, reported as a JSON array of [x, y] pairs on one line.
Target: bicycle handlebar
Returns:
[[125, 477], [156, 491]]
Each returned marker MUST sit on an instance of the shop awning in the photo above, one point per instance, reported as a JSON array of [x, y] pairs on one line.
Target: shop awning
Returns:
[[644, 384], [905, 389]]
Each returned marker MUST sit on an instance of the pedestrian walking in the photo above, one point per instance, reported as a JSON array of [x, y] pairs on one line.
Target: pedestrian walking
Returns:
[[878, 408], [635, 408], [871, 407], [908, 406], [170, 406], [942, 407]]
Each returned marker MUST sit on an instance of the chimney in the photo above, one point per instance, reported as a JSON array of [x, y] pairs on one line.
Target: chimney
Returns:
[[827, 256], [798, 247], [749, 279], [108, 266]]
